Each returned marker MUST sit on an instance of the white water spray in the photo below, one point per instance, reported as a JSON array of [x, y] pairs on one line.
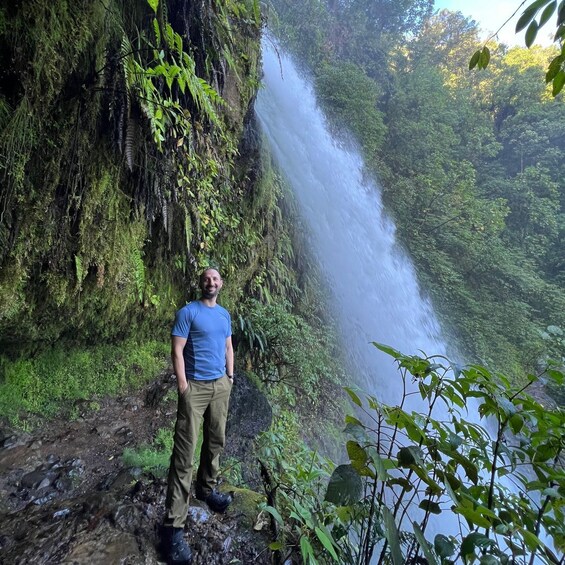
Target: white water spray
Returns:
[[372, 281]]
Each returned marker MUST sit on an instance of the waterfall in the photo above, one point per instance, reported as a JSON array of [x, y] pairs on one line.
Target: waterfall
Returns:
[[372, 282]]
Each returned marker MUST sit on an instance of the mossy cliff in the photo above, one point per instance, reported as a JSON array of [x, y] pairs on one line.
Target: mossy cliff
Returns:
[[125, 165]]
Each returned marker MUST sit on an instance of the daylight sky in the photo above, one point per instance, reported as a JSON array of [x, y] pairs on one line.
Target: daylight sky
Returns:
[[491, 14]]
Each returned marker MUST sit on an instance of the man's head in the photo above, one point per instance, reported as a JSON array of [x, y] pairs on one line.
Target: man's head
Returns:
[[210, 283]]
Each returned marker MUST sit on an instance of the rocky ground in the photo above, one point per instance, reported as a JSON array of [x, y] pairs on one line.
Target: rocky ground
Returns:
[[66, 495]]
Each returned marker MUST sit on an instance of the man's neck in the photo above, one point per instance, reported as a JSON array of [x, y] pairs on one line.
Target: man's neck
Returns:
[[210, 302]]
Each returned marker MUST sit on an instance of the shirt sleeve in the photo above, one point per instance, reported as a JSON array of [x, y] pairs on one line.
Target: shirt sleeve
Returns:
[[183, 320], [229, 325]]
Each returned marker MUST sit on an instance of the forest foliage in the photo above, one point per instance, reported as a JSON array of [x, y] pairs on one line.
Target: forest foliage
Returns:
[[471, 164], [466, 468], [119, 133]]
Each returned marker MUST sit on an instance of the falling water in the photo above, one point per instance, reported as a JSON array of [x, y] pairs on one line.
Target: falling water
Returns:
[[372, 281], [374, 287]]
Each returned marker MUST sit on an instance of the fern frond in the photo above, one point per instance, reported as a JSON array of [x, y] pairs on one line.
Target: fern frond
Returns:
[[131, 128]]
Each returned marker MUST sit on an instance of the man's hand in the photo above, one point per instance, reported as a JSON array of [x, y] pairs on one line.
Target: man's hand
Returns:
[[182, 386]]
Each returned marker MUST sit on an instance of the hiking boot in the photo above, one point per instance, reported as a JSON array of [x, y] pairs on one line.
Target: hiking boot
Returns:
[[178, 551], [216, 501]]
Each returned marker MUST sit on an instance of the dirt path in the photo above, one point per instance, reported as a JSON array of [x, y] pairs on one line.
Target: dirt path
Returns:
[[66, 496]]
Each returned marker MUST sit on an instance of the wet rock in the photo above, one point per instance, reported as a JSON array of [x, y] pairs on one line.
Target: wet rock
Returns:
[[103, 431], [63, 484], [198, 514], [249, 414], [126, 517], [157, 392], [8, 441], [108, 546], [44, 499], [44, 483], [125, 434], [123, 478], [36, 478], [61, 513], [52, 460], [227, 544]]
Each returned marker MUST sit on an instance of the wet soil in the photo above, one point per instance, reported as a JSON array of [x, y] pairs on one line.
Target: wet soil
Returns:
[[66, 495]]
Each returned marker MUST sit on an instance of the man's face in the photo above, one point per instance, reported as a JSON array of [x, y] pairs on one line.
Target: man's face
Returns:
[[210, 283]]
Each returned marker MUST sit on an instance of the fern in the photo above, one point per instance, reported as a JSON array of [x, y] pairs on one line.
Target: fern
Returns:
[[130, 140]]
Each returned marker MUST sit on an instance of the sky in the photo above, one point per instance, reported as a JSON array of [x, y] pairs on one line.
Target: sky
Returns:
[[491, 14]]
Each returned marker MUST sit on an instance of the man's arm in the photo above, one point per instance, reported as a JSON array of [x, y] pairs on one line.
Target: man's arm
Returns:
[[177, 345], [229, 358]]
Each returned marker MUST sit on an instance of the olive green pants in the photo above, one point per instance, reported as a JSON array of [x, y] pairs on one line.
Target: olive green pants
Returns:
[[202, 401]]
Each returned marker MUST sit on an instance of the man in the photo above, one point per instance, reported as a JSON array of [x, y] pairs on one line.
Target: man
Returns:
[[203, 362]]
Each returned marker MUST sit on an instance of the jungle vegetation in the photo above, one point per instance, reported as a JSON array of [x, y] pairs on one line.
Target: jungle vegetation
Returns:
[[130, 160], [471, 164]]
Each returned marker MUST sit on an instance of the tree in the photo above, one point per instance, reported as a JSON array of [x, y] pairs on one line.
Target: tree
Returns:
[[530, 21]]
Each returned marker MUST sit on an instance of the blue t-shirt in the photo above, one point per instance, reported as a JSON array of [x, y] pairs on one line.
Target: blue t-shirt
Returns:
[[206, 330]]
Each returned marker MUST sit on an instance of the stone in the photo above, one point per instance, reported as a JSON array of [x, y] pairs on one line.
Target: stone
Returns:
[[34, 479], [63, 484], [46, 482]]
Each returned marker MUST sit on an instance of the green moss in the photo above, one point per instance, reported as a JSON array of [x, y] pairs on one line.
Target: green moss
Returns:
[[245, 504], [47, 384]]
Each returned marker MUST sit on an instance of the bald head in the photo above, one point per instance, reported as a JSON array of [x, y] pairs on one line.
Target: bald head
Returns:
[[210, 283]]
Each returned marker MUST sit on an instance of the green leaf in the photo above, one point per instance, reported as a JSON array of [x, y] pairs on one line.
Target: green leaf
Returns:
[[275, 546], [326, 542], [531, 33], [473, 540], [352, 420], [529, 13], [552, 70], [558, 83], [306, 549], [353, 396], [561, 14], [474, 59], [484, 58], [489, 560], [401, 481], [430, 506], [454, 441], [154, 4], [444, 546], [532, 541], [411, 455], [391, 533], [388, 350], [516, 423], [473, 516], [424, 545], [274, 513], [345, 486], [157, 31], [358, 457], [547, 13]]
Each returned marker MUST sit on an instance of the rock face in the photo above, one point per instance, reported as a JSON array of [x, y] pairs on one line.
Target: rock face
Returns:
[[249, 414], [67, 497]]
